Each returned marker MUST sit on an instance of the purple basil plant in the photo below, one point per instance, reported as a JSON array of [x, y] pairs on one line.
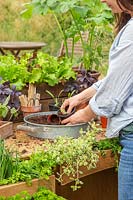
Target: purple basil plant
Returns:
[[6, 89], [83, 81]]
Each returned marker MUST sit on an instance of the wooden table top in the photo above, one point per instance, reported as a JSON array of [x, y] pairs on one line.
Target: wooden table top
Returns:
[[20, 45]]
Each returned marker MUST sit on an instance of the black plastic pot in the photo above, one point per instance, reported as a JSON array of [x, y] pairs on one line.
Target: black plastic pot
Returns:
[[53, 107], [66, 115]]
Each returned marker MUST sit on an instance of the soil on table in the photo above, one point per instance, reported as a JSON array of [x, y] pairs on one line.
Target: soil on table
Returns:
[[1, 123], [25, 145]]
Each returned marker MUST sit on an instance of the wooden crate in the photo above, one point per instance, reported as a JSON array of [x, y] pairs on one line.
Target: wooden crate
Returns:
[[13, 189], [6, 129]]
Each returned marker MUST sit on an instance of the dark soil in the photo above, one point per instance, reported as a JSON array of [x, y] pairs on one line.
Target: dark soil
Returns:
[[53, 119], [48, 120]]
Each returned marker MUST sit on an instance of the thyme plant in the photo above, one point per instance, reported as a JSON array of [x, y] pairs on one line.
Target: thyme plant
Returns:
[[71, 154]]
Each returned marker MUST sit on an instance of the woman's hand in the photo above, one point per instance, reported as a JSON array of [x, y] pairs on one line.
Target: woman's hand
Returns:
[[81, 116], [78, 100], [71, 103]]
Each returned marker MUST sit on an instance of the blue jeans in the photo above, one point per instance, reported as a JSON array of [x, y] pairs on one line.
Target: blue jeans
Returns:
[[125, 170]]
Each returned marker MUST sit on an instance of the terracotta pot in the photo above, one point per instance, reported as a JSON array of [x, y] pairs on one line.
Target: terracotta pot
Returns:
[[30, 109], [104, 121]]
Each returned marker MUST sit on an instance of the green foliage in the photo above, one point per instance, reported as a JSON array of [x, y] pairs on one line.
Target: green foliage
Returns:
[[40, 165], [51, 69], [47, 194], [68, 153], [8, 164], [56, 100], [73, 153], [14, 71], [42, 193], [112, 144], [90, 16], [42, 69], [5, 109]]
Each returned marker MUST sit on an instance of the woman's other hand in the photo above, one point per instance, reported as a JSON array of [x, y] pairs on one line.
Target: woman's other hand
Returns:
[[71, 103], [81, 116], [78, 100]]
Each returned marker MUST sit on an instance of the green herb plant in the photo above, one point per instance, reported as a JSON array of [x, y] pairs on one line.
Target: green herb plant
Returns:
[[5, 109], [71, 154], [8, 162], [42, 193], [56, 100], [42, 69], [112, 144], [40, 165]]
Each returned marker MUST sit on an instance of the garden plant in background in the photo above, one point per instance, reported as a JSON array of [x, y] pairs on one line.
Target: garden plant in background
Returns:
[[56, 103], [9, 100], [42, 69], [75, 17]]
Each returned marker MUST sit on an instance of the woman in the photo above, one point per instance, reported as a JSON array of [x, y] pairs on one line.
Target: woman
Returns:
[[113, 96]]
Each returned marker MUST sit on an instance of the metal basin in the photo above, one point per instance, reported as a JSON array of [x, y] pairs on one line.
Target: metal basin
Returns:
[[50, 131]]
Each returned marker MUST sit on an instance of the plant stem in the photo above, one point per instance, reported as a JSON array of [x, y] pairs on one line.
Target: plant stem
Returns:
[[72, 49], [62, 33], [82, 41]]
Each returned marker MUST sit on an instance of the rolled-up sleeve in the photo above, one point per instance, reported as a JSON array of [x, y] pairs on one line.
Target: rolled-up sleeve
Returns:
[[97, 84], [117, 86]]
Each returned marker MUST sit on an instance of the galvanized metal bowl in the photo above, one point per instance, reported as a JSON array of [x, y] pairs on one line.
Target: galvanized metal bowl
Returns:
[[50, 131]]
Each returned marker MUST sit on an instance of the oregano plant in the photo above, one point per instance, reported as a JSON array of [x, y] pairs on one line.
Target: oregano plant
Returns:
[[72, 153]]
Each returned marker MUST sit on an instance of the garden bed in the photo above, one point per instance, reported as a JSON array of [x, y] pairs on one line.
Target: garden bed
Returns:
[[13, 189], [105, 162], [22, 143], [25, 145], [6, 129]]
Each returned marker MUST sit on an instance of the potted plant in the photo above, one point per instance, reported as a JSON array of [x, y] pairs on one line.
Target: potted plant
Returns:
[[103, 121], [30, 103], [82, 82], [9, 96], [56, 102], [9, 107]]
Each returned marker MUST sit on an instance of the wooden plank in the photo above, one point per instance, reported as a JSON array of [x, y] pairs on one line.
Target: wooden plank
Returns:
[[6, 129], [102, 185], [42, 87], [105, 162], [13, 189]]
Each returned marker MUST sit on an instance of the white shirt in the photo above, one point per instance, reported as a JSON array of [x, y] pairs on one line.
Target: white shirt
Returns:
[[114, 97]]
